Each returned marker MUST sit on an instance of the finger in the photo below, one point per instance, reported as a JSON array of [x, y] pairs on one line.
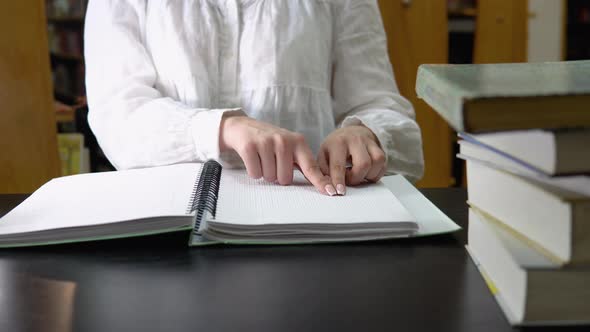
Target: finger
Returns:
[[380, 175], [377, 162], [249, 155], [267, 159], [284, 157], [361, 162], [311, 170], [323, 162], [337, 155]]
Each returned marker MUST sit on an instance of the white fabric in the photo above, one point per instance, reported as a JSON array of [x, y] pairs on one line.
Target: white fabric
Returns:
[[160, 74]]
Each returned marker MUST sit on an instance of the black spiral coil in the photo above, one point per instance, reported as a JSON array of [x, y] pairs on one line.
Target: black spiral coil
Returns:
[[204, 195]]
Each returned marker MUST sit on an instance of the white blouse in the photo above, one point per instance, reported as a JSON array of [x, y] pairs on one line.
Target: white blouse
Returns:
[[160, 74]]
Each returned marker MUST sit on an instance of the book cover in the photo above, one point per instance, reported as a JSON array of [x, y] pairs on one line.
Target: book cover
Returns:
[[485, 97]]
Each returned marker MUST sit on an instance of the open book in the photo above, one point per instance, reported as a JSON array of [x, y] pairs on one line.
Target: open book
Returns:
[[215, 204]]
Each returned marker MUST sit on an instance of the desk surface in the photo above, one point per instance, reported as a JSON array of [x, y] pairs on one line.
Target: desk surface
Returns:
[[158, 284]]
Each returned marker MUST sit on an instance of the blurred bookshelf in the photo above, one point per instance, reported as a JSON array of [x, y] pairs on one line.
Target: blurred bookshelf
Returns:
[[78, 148], [462, 10], [65, 30], [577, 30], [462, 15], [65, 19]]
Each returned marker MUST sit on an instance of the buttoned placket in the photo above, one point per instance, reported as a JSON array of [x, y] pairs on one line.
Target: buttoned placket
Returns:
[[229, 53]]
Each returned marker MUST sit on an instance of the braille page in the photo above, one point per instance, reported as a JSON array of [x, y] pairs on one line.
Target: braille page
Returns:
[[103, 198], [244, 201]]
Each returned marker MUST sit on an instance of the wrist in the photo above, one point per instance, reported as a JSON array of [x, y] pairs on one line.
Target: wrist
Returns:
[[228, 121]]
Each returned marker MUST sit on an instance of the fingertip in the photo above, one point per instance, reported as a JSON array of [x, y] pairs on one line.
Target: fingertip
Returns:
[[286, 180], [254, 173], [379, 176], [351, 179], [270, 179], [255, 176], [341, 189], [329, 188], [320, 184]]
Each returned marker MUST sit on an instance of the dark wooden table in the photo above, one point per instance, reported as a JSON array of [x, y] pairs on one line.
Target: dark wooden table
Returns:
[[158, 284]]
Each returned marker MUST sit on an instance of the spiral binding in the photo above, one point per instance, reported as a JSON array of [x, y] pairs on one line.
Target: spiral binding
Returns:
[[205, 191]]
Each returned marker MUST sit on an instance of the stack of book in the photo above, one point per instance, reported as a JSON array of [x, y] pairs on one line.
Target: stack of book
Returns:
[[525, 136]]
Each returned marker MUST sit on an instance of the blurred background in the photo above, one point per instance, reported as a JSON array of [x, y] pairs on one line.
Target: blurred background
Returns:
[[43, 127]]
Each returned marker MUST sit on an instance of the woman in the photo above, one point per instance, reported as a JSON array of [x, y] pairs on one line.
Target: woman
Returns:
[[267, 82]]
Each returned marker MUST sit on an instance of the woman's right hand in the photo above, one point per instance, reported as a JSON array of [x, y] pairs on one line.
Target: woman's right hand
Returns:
[[271, 152]]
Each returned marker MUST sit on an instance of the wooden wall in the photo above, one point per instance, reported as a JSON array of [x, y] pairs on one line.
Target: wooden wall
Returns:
[[501, 31], [417, 33], [28, 147]]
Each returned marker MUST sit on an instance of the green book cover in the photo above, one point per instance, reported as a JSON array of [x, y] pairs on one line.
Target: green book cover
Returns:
[[447, 88]]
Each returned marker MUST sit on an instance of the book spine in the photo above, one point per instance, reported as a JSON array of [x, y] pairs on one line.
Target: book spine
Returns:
[[204, 197], [441, 96], [524, 206]]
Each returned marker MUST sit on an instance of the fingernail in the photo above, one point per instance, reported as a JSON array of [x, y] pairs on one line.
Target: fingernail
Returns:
[[341, 189], [330, 190]]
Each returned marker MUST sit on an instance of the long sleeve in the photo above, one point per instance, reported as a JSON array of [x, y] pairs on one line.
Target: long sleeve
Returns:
[[364, 90], [136, 125]]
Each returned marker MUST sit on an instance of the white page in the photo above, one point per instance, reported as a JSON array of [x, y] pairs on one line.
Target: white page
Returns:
[[245, 201], [100, 198]]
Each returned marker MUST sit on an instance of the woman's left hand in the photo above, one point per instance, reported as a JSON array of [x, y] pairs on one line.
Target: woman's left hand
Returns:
[[356, 145]]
